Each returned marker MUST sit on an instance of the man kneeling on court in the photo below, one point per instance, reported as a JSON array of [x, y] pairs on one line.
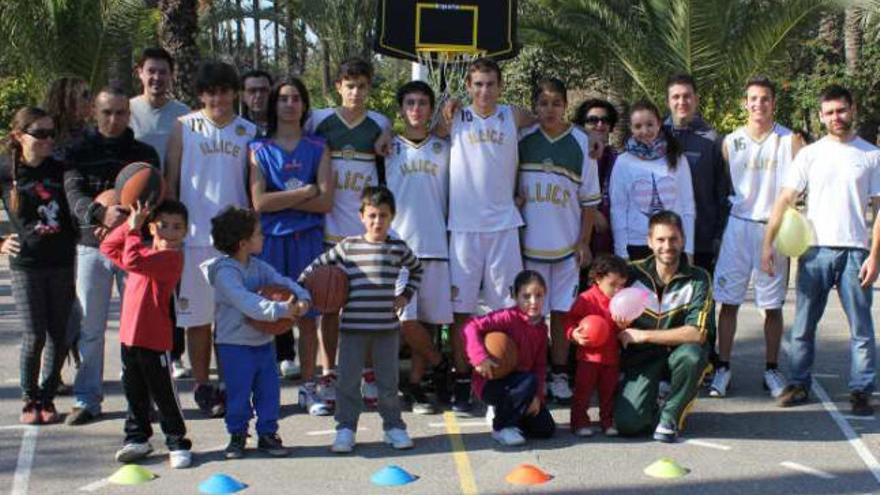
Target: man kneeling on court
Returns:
[[669, 340]]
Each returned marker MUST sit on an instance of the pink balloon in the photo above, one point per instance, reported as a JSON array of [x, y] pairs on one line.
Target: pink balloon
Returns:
[[629, 303]]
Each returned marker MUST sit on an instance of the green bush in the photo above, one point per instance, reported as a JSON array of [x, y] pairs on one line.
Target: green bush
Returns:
[[15, 92]]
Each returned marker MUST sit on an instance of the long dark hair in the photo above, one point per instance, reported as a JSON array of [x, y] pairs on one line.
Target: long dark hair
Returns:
[[24, 118], [61, 102], [272, 111], [673, 147]]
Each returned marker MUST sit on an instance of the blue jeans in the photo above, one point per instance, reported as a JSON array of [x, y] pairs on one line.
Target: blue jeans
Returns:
[[252, 386], [819, 270], [94, 283]]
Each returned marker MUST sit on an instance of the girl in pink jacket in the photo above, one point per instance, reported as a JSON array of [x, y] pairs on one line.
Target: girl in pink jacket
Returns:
[[518, 398]]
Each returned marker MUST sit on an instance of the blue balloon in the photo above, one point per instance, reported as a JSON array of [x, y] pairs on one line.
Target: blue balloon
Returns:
[[220, 484]]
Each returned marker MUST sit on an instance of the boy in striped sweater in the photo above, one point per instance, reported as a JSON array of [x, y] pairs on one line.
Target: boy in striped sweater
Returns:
[[372, 262]]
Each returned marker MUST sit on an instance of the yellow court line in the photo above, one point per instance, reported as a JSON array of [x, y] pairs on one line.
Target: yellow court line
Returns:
[[459, 455]]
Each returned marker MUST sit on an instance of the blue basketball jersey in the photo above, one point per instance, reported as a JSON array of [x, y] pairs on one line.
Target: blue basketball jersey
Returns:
[[286, 171]]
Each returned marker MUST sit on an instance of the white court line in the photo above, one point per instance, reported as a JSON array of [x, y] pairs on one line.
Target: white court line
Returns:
[[807, 470], [851, 436], [826, 375], [711, 445], [25, 461], [460, 423], [859, 418], [95, 486], [14, 427], [328, 432]]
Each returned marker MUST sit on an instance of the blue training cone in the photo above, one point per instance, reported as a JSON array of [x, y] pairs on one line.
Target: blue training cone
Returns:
[[220, 484], [392, 476]]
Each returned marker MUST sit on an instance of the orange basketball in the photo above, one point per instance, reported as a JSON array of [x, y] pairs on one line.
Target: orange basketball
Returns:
[[273, 293], [503, 351], [140, 181], [328, 286], [107, 198]]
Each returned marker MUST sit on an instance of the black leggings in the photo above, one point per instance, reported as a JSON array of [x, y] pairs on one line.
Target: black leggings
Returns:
[[43, 298]]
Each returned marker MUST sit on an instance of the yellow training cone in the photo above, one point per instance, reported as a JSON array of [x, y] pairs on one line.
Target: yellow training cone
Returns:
[[527, 474], [666, 468], [131, 474]]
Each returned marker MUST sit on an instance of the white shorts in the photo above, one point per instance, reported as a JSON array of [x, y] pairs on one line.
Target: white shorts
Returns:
[[433, 301], [562, 279], [195, 298], [483, 260], [739, 262]]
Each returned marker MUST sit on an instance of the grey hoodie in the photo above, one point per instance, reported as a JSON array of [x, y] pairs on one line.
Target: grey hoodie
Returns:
[[235, 297]]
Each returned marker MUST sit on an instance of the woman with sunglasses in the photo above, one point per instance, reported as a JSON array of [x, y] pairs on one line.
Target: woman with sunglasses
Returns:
[[41, 252]]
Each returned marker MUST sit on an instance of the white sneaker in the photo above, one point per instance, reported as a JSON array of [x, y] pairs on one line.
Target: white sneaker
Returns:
[[327, 389], [559, 387], [584, 432], [310, 400], [289, 369], [509, 437], [131, 452], [775, 382], [179, 370], [369, 389], [179, 459], [490, 415], [611, 432], [720, 382], [398, 438], [344, 442]]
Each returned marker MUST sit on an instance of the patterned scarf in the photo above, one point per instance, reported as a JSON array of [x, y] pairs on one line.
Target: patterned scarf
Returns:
[[654, 151]]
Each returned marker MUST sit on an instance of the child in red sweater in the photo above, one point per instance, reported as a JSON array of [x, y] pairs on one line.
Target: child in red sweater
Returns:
[[518, 398], [597, 366], [145, 328]]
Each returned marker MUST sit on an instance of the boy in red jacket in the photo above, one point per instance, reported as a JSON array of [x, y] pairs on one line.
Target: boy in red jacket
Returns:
[[597, 366], [145, 328]]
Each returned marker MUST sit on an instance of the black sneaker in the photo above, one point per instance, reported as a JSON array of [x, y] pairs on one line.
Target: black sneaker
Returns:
[[461, 402], [666, 432], [235, 449], [80, 416], [204, 396], [419, 400], [271, 444], [861, 403], [218, 406], [793, 395]]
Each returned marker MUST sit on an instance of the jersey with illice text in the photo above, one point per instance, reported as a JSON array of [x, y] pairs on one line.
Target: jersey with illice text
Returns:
[[557, 178], [756, 170]]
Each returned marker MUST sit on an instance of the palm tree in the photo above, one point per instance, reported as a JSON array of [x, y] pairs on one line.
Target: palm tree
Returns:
[[177, 31]]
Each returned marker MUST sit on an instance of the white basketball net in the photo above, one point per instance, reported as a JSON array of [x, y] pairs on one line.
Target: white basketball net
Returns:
[[447, 71]]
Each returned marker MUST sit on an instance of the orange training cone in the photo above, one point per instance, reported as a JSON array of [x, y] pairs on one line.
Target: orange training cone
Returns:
[[527, 474]]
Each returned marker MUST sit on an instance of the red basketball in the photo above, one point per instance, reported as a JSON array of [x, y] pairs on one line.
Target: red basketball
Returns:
[[140, 181], [595, 329], [273, 293], [328, 286], [503, 351], [107, 198]]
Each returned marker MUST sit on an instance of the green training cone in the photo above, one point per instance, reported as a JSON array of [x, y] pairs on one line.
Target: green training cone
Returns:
[[666, 468], [131, 474]]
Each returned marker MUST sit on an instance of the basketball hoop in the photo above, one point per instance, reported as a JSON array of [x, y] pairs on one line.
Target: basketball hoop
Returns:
[[447, 71]]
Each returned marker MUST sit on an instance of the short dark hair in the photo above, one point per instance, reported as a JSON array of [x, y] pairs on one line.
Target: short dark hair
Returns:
[[580, 114], [377, 196], [415, 87], [666, 217], [483, 64], [169, 207], [215, 75], [550, 85], [608, 263], [526, 277], [681, 78], [835, 92], [272, 109], [231, 226], [354, 67], [255, 73], [155, 53], [762, 82], [112, 90]]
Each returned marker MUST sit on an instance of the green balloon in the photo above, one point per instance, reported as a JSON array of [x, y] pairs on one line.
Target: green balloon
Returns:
[[795, 235]]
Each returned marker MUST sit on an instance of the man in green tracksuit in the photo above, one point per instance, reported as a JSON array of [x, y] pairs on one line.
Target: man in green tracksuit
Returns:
[[670, 339]]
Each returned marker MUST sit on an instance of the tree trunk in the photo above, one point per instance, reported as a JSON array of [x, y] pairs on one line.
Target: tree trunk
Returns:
[[829, 35], [852, 36], [258, 45], [119, 71], [290, 39], [239, 34], [178, 28], [326, 83], [276, 8]]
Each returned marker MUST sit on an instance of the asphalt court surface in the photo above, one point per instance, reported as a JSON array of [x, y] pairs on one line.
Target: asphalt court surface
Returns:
[[740, 444]]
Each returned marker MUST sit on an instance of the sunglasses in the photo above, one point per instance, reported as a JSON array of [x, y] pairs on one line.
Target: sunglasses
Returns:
[[41, 133], [593, 119]]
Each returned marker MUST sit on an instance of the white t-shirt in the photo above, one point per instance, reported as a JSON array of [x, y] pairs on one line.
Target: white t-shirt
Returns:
[[640, 188], [153, 125], [839, 178], [757, 169], [418, 175], [483, 165], [213, 167]]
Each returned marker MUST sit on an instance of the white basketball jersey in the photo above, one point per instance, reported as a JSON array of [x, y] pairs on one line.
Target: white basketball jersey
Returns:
[[418, 175], [483, 163], [756, 170], [213, 168]]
